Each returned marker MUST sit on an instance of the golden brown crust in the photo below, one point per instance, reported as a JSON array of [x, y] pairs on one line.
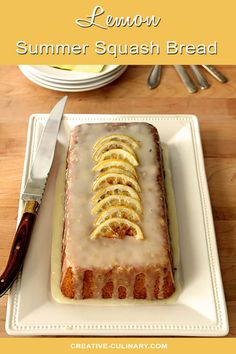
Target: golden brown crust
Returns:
[[169, 285], [107, 290], [87, 290], [121, 292], [67, 285], [163, 285], [139, 287]]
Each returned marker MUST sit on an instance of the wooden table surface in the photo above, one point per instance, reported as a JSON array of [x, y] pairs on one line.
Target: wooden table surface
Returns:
[[215, 108]]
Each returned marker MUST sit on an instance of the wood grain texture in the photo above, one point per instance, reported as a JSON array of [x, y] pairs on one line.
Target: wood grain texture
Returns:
[[215, 108]]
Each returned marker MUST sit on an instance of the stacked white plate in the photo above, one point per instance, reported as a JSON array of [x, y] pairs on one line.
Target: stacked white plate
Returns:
[[71, 81]]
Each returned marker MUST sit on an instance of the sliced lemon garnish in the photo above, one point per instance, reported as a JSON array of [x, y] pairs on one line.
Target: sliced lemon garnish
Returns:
[[120, 171], [117, 228], [116, 189], [119, 154], [111, 144], [107, 164], [119, 211], [118, 137], [114, 200], [109, 178]]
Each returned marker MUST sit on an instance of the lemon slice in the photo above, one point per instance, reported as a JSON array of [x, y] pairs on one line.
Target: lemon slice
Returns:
[[111, 144], [114, 200], [120, 171], [116, 189], [118, 137], [109, 178], [119, 154], [117, 228], [119, 211], [107, 164]]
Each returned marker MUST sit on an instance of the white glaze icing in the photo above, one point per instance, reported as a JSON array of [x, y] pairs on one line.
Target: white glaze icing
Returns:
[[104, 253]]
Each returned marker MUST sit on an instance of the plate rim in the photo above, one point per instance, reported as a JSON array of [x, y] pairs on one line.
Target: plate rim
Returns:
[[222, 326], [91, 75], [29, 68], [50, 86]]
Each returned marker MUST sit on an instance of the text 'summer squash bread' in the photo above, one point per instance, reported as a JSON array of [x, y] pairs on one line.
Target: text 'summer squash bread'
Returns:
[[116, 241]]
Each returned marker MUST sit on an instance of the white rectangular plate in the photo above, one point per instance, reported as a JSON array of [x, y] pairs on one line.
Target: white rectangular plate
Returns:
[[200, 308]]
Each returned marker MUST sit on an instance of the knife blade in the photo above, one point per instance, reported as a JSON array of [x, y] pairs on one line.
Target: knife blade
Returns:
[[32, 196]]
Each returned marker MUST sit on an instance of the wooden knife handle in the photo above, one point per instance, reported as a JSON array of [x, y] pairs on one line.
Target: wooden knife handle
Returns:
[[19, 246]]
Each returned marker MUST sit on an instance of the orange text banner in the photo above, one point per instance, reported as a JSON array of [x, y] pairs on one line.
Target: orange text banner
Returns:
[[124, 32]]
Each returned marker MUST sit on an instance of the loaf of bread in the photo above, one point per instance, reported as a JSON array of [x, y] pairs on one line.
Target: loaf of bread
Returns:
[[116, 242]]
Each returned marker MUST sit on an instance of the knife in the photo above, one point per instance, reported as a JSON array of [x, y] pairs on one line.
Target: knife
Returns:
[[32, 196], [201, 80], [215, 73], [187, 81]]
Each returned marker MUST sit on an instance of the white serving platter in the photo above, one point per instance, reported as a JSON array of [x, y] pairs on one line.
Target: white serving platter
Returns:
[[200, 309]]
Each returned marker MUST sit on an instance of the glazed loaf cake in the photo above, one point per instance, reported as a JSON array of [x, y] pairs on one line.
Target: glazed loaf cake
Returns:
[[116, 242]]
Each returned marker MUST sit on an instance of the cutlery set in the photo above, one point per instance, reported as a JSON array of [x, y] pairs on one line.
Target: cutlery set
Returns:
[[154, 78]]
